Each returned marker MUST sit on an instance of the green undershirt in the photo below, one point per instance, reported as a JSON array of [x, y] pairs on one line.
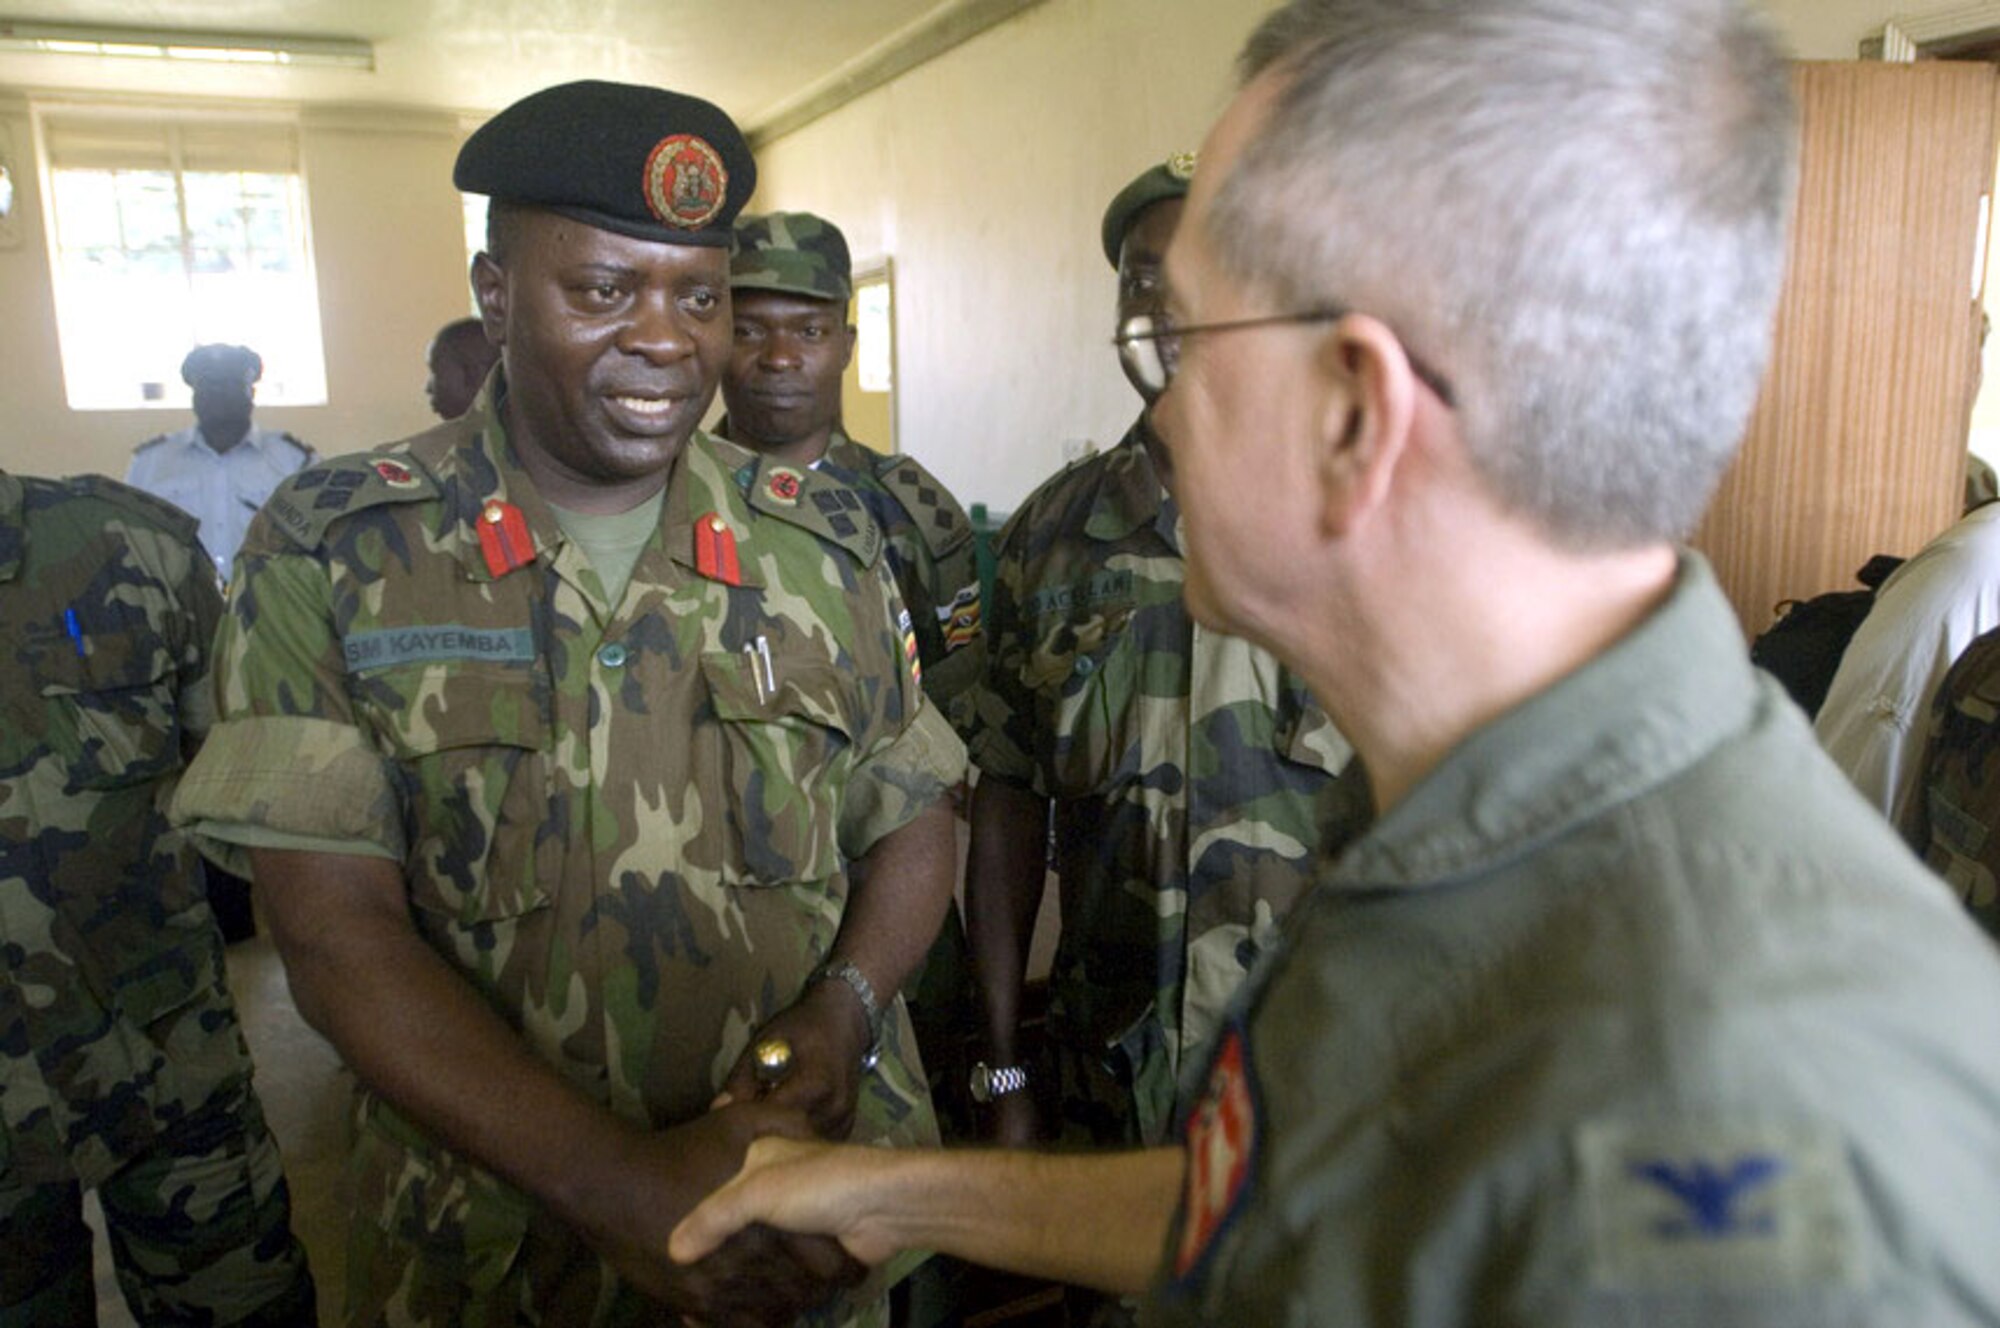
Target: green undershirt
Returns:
[[613, 543]]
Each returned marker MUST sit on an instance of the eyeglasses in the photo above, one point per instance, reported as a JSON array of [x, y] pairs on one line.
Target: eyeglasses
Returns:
[[1149, 347]]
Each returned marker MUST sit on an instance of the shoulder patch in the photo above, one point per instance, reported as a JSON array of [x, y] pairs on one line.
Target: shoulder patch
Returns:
[[314, 498], [137, 502], [818, 503], [1222, 1144], [935, 513]]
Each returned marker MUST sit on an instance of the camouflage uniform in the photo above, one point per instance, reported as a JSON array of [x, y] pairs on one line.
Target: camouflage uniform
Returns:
[[122, 1065], [626, 825], [1954, 822], [1195, 782]]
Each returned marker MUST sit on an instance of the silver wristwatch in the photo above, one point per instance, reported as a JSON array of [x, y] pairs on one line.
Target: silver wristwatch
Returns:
[[990, 1082], [857, 981]]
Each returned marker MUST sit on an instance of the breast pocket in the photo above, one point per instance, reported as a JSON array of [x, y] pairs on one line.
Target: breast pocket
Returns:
[[484, 834], [786, 754], [1081, 673], [114, 722]]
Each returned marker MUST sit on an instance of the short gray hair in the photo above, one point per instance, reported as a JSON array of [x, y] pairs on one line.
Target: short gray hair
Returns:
[[1576, 210]]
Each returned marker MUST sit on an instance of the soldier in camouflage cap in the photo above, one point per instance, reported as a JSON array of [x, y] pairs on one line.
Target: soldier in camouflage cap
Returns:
[[791, 282], [551, 734], [122, 1064], [1193, 781]]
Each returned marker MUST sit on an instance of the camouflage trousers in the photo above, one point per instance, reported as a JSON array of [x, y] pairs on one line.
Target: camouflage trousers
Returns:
[[200, 1231], [1120, 1096]]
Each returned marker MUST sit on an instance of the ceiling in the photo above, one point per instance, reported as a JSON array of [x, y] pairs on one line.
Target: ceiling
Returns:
[[755, 58]]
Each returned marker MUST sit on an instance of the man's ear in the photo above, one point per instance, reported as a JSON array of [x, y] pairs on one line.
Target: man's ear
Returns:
[[489, 290], [1364, 424], [853, 340]]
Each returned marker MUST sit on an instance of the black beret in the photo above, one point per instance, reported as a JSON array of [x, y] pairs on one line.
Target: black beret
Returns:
[[1155, 184], [644, 162], [219, 361]]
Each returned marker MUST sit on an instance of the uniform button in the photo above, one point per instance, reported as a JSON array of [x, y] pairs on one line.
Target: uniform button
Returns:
[[611, 656], [1085, 667]]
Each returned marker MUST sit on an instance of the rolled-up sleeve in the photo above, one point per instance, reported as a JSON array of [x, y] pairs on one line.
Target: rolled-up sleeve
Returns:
[[286, 757]]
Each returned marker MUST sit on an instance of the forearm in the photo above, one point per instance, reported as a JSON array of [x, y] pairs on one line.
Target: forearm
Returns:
[[417, 1033], [1006, 875], [902, 889], [1096, 1220]]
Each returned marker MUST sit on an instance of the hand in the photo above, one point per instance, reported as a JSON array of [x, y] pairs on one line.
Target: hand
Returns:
[[828, 1033], [1015, 1121], [759, 1276], [822, 1188]]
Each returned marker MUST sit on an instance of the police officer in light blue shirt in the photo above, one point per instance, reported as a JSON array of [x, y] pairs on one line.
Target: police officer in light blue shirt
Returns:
[[221, 469]]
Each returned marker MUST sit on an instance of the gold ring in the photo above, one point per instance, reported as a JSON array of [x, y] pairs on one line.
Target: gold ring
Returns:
[[773, 1056]]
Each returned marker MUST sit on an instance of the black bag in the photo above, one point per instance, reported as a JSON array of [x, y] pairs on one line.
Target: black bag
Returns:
[[1802, 649]]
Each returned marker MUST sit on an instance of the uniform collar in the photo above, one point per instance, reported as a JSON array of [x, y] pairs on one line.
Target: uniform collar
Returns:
[[840, 450], [488, 476], [849, 459], [1130, 496], [254, 438], [13, 526], [1656, 702]]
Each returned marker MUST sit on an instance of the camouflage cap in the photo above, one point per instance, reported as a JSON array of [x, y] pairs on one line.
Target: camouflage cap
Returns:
[[237, 363], [1155, 184], [644, 162], [794, 252]]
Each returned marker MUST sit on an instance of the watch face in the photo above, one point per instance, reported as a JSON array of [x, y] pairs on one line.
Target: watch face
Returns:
[[982, 1084]]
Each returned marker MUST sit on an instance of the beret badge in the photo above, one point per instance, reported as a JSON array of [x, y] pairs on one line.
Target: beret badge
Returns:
[[686, 184]]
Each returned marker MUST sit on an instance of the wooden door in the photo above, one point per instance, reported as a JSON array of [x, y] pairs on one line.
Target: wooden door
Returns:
[[1857, 446]]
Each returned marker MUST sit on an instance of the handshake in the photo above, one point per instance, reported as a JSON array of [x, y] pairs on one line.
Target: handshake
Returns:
[[799, 1080]]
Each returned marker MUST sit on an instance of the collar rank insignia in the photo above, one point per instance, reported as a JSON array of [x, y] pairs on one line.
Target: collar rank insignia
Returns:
[[395, 474], [784, 486], [504, 538], [909, 634], [1221, 1145], [715, 550], [1181, 165], [686, 183]]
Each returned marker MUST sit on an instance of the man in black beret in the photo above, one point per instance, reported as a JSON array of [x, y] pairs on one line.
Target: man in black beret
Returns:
[[552, 734]]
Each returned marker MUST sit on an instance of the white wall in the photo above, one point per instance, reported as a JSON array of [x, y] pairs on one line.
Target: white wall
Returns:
[[984, 174], [389, 247]]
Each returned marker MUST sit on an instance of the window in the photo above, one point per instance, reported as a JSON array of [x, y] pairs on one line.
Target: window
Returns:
[[165, 234], [474, 207]]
